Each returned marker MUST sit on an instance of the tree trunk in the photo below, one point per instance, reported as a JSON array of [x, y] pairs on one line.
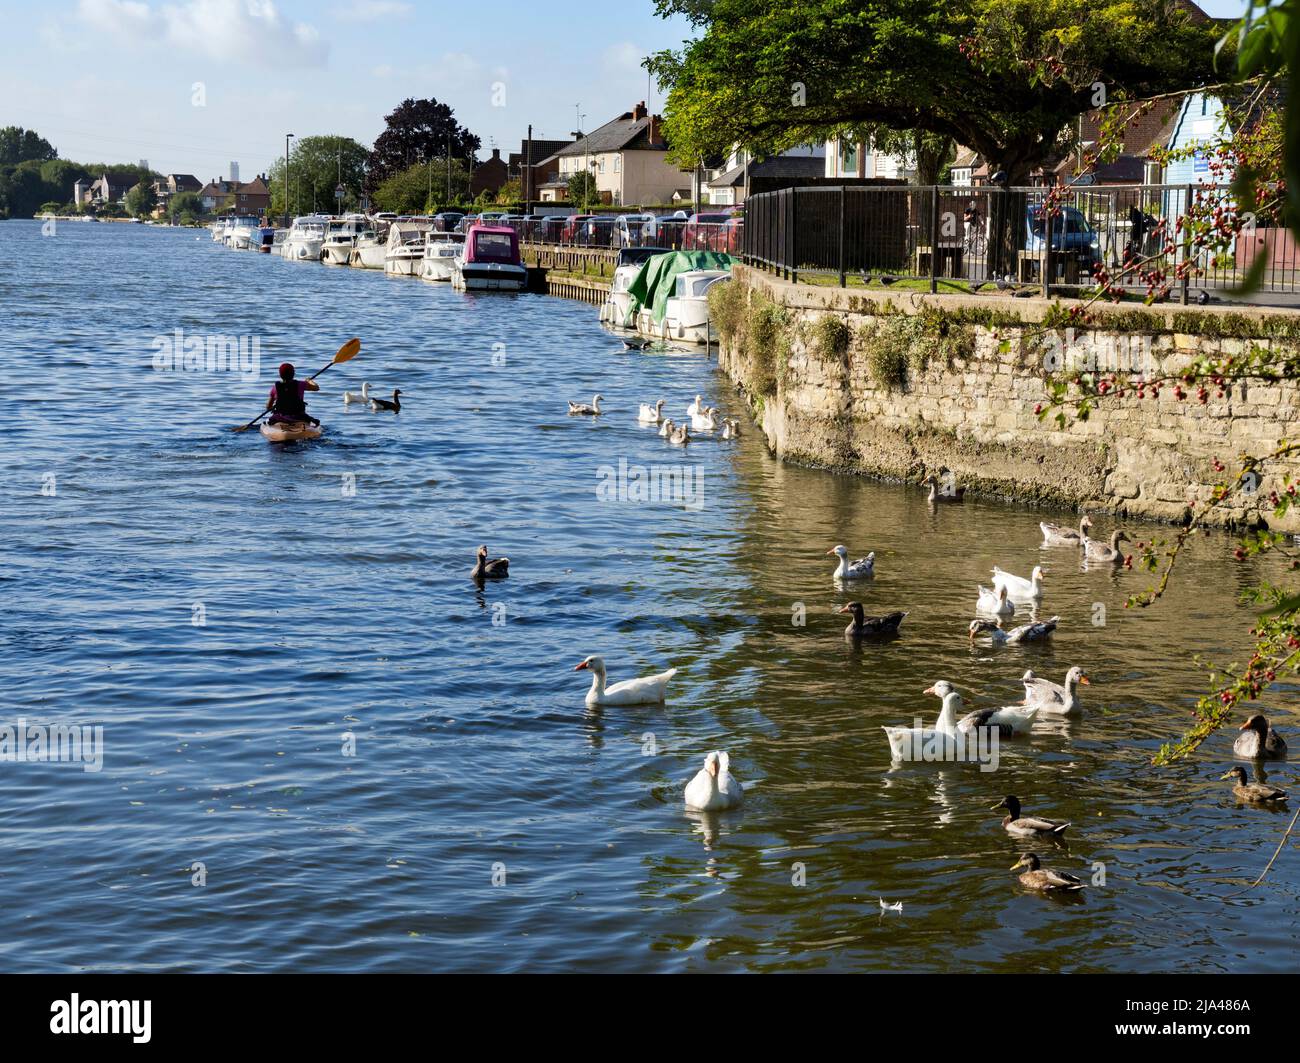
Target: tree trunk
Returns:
[[930, 160], [1006, 237]]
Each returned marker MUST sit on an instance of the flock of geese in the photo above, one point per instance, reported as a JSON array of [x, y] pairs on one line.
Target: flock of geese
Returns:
[[715, 789], [373, 401]]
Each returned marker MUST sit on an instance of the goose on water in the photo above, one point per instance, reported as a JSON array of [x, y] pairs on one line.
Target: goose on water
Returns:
[[680, 435], [1009, 720], [730, 428], [1099, 551], [1018, 587], [943, 492], [695, 407], [1060, 535], [704, 421], [648, 690], [1258, 741], [1055, 698], [995, 603], [862, 625], [1039, 629], [1027, 826], [666, 429], [863, 568], [497, 568], [362, 396], [651, 414], [384, 404], [582, 408], [906, 741], [714, 788], [1259, 793], [1044, 878]]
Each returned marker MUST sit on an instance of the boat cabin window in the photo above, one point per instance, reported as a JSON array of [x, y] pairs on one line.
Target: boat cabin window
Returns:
[[494, 246]]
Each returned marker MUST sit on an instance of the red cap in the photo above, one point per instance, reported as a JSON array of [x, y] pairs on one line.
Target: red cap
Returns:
[[286, 366]]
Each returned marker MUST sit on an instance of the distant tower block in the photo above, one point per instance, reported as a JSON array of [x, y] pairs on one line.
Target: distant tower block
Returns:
[[144, 165], [234, 171]]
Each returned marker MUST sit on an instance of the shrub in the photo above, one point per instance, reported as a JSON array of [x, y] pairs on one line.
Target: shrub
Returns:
[[832, 335]]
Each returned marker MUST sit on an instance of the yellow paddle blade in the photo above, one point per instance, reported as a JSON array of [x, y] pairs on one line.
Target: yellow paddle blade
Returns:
[[348, 351]]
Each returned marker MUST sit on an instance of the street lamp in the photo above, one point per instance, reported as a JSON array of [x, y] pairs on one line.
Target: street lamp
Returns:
[[287, 138]]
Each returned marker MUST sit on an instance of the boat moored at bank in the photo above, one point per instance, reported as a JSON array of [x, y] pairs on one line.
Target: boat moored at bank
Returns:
[[617, 310], [490, 261], [341, 235], [305, 239], [404, 254], [440, 252]]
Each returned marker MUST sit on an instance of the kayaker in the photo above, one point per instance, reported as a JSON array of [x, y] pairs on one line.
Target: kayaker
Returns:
[[287, 402]]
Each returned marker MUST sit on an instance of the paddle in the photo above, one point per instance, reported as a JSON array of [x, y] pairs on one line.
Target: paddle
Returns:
[[345, 353]]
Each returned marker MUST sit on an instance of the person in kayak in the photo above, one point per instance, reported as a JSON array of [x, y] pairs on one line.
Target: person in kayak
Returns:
[[287, 401]]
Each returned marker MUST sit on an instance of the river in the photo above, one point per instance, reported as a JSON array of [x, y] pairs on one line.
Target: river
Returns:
[[325, 749]]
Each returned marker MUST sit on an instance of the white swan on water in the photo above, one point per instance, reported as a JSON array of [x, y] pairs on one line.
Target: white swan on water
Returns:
[[1017, 586]]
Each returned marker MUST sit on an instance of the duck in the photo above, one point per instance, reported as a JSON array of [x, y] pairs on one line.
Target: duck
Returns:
[[1099, 551], [704, 421], [1256, 792], [695, 407], [945, 492], [362, 396], [1009, 720], [906, 741], [384, 404], [862, 626], [666, 429], [651, 414], [1027, 826], [680, 435], [648, 690], [1258, 741], [635, 343], [1017, 586], [996, 603], [1060, 535], [714, 788], [582, 408], [497, 568], [1032, 632], [863, 568], [1053, 698], [1044, 878]]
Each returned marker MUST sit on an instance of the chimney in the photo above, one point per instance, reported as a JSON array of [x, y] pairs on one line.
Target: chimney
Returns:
[[654, 128], [639, 111], [496, 154]]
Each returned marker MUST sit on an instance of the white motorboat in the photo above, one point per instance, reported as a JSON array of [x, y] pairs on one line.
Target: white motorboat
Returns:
[[341, 237], [686, 312], [306, 236], [616, 310], [404, 254], [440, 252], [490, 261], [240, 232], [370, 250]]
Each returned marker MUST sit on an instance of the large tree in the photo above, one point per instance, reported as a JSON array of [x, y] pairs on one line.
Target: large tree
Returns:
[[316, 166], [422, 188], [21, 145], [1003, 77], [417, 131]]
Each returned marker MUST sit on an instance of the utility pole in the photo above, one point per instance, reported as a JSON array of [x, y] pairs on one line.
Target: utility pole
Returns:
[[528, 173], [448, 169], [287, 138]]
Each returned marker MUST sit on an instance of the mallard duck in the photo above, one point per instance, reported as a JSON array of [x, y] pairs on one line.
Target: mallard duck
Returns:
[[1039, 629], [995, 603], [871, 625], [362, 396], [651, 414], [1259, 793], [1017, 586], [714, 788], [680, 435], [666, 429], [1027, 826], [1258, 741], [1044, 878], [384, 404], [863, 568], [646, 691], [582, 409], [1099, 551], [1060, 535], [1052, 697], [943, 492], [1009, 720], [498, 568]]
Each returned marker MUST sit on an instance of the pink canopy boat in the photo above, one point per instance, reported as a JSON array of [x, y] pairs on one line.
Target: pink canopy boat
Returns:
[[490, 260]]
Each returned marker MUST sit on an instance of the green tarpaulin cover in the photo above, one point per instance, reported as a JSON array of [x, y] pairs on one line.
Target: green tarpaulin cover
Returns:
[[654, 284]]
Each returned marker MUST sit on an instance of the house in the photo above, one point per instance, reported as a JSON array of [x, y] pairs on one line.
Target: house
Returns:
[[173, 184], [1139, 140], [963, 166], [858, 159], [241, 197], [535, 165], [100, 192], [741, 175], [627, 156], [489, 176]]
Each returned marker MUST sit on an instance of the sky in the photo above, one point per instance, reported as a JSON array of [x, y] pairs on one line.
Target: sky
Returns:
[[193, 85]]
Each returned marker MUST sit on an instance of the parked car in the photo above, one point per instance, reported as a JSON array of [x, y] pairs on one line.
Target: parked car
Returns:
[[463, 225], [1070, 233], [446, 221], [548, 230], [569, 234], [597, 231], [632, 230], [703, 231]]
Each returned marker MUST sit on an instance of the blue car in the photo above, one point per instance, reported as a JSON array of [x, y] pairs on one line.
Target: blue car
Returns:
[[1071, 234]]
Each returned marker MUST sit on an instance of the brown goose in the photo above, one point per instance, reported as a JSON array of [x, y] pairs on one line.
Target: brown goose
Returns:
[[871, 625], [1258, 741], [1259, 793], [943, 492], [1027, 826], [1060, 535], [497, 568], [395, 405], [583, 409], [1095, 550], [1044, 878]]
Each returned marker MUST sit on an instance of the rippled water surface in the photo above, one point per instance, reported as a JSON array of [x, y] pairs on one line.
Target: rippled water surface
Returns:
[[328, 614]]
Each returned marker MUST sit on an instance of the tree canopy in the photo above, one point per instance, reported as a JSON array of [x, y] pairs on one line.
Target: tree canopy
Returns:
[[22, 145], [1003, 77], [421, 188], [417, 131], [314, 172]]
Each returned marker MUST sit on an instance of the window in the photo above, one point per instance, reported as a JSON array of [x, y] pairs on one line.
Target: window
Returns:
[[849, 160], [618, 163]]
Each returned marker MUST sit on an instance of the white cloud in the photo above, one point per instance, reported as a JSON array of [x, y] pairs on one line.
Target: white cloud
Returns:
[[238, 31], [372, 11]]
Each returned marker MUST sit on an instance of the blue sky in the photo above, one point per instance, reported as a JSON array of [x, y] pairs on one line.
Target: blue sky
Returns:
[[115, 80]]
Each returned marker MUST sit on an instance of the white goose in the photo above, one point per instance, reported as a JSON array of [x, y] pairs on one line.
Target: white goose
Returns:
[[1017, 586], [905, 741], [695, 407], [582, 408], [1054, 698], [863, 568], [995, 603], [649, 690], [1039, 629], [714, 788], [651, 414], [666, 429], [362, 396], [704, 421]]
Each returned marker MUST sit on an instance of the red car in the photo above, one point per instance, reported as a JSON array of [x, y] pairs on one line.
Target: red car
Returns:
[[572, 230], [711, 231]]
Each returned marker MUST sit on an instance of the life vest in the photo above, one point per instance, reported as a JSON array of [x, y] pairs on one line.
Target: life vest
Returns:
[[288, 400]]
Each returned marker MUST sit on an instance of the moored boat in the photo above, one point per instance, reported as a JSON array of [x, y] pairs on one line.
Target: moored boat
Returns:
[[490, 261], [306, 235], [404, 253], [370, 250], [440, 251], [341, 236], [616, 310], [670, 296]]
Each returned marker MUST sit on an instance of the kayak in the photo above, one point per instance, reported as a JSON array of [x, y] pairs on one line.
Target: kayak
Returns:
[[289, 433]]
